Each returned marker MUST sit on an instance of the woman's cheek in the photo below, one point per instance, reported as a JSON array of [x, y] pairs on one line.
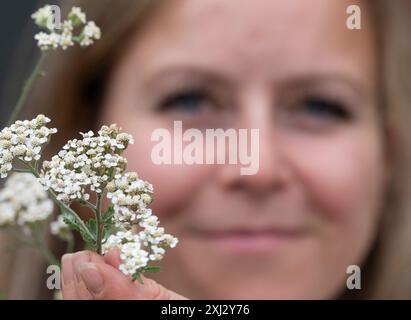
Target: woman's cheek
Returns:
[[343, 177]]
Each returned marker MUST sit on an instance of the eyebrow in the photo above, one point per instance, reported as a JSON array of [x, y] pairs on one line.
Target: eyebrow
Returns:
[[199, 74], [318, 78], [214, 78]]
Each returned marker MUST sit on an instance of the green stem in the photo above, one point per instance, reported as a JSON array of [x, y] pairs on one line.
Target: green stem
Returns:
[[99, 224], [78, 219], [26, 89], [61, 204], [21, 170], [88, 205]]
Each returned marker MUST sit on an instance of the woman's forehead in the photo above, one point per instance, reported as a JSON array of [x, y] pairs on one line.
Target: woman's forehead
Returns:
[[242, 37], [257, 21]]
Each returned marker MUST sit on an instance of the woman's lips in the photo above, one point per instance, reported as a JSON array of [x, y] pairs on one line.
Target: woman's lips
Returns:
[[249, 241]]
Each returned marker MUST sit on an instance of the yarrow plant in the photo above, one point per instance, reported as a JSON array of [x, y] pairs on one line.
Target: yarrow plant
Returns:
[[63, 35], [25, 210], [23, 201], [55, 35], [85, 171]]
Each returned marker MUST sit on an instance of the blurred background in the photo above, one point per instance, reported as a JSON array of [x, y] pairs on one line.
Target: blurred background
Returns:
[[16, 55]]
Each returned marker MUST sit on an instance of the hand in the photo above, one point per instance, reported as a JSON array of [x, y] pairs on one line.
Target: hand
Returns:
[[89, 276]]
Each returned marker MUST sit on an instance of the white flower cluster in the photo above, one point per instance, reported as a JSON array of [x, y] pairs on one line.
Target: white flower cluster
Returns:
[[62, 35], [43, 16], [131, 253], [134, 256], [130, 197], [23, 140], [93, 163], [59, 228], [88, 163], [90, 33], [23, 201]]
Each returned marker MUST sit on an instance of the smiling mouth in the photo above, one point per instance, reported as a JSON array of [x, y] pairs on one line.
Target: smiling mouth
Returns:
[[245, 241]]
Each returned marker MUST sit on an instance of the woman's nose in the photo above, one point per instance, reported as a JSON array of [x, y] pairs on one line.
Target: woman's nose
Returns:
[[271, 163]]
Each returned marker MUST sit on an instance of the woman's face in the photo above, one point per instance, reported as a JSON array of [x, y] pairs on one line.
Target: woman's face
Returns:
[[294, 71]]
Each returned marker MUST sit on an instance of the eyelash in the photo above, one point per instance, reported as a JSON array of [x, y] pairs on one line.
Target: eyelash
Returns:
[[193, 101], [325, 108], [188, 98]]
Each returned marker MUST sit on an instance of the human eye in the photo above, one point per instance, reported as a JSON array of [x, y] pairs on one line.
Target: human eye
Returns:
[[190, 102], [324, 109], [319, 111]]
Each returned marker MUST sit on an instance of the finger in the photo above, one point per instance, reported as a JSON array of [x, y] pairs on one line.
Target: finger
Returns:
[[78, 259], [113, 258], [152, 290], [105, 282], [68, 278]]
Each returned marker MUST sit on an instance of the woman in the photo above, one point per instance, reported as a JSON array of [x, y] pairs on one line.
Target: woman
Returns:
[[331, 107]]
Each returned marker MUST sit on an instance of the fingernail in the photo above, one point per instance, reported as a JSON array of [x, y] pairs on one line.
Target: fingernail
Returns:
[[91, 277], [67, 264]]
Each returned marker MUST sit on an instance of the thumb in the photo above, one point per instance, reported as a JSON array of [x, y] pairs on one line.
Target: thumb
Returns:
[[105, 282]]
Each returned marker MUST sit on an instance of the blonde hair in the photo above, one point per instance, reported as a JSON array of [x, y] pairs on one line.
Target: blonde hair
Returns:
[[390, 275], [75, 82]]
